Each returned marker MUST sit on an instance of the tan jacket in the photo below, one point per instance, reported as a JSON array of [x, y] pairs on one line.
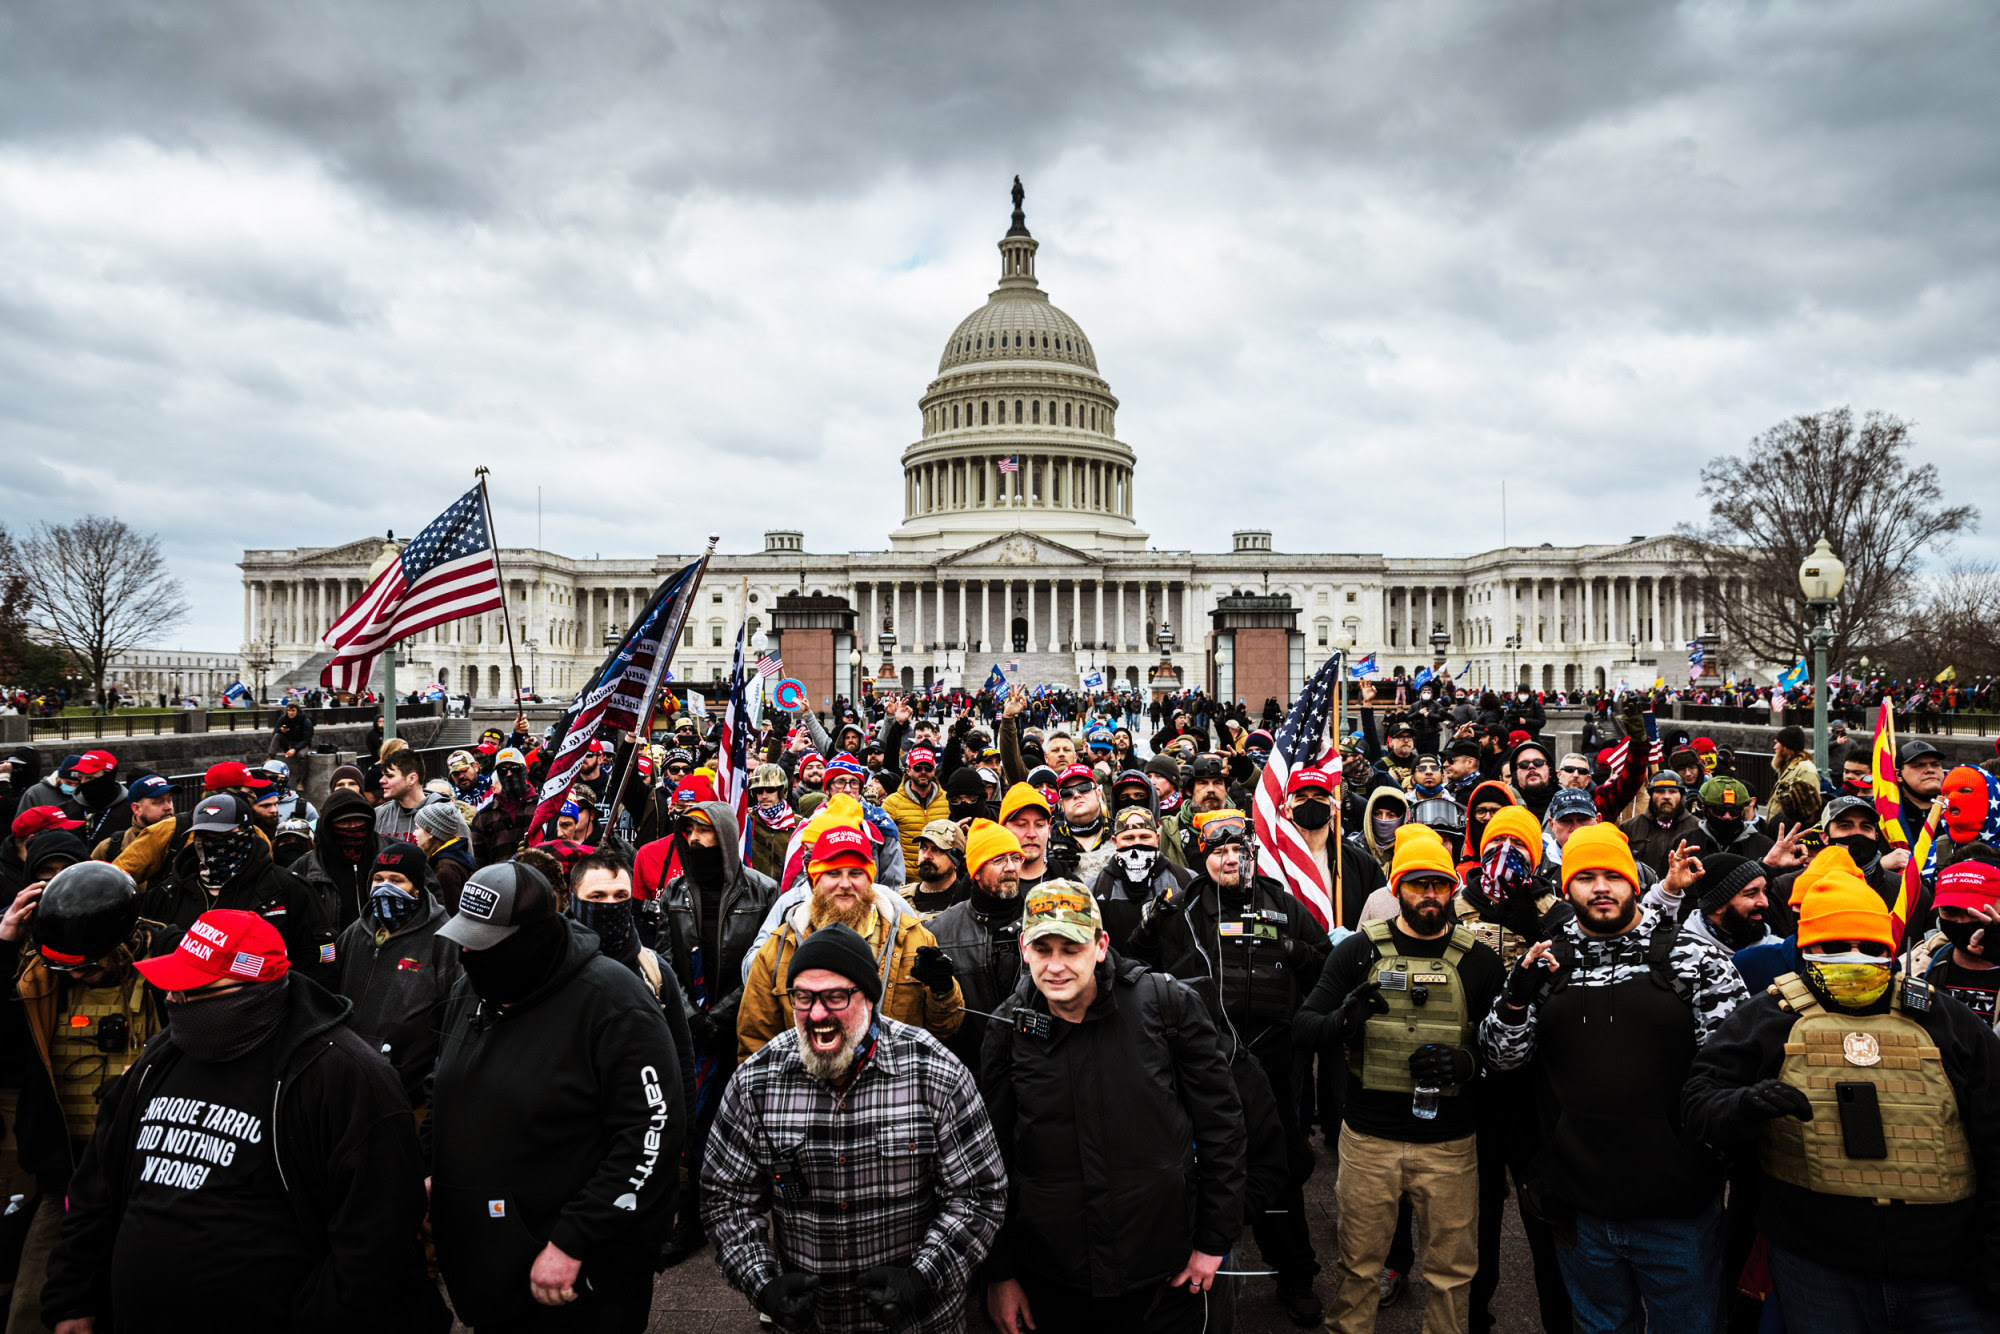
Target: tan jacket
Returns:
[[765, 1011], [1795, 797]]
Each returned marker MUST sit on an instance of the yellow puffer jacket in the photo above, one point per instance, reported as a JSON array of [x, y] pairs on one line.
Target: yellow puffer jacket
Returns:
[[765, 1011], [911, 818]]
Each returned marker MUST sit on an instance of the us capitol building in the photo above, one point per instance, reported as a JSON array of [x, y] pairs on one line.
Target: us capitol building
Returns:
[[1019, 544]]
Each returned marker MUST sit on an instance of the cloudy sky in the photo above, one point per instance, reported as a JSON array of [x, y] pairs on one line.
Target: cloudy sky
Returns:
[[282, 275]]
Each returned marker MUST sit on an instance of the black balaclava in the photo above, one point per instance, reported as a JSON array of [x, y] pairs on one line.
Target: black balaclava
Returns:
[[513, 784], [703, 865], [511, 970], [234, 1024], [617, 935]]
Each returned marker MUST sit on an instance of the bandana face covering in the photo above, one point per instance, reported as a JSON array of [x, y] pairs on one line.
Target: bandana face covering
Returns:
[[222, 1028], [390, 906], [221, 856], [1504, 871], [1853, 980], [1135, 864], [1961, 934], [350, 838], [612, 922]]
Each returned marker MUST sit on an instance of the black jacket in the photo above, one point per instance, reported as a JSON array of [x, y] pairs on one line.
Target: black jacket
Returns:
[[747, 896], [261, 886], [399, 987], [582, 1154], [342, 887], [347, 1150], [1099, 1125], [1945, 1243], [985, 950], [1190, 945]]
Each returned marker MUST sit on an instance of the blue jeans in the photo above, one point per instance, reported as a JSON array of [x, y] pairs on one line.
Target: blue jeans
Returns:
[[1625, 1275], [1825, 1300]]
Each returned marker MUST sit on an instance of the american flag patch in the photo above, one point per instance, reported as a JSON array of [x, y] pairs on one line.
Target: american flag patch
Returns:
[[246, 964], [326, 952]]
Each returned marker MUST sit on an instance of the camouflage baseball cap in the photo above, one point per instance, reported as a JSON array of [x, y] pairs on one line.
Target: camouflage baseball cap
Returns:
[[1060, 908], [944, 835], [769, 776]]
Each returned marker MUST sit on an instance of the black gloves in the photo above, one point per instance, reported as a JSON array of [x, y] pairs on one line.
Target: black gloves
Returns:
[[1528, 984], [1633, 717], [892, 1293], [1434, 1065], [1350, 1021], [788, 1298], [1770, 1099], [701, 1028], [932, 967], [1169, 900]]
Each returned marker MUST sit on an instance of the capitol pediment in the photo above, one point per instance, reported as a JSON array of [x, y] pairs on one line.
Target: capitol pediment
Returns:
[[1020, 549], [362, 552]]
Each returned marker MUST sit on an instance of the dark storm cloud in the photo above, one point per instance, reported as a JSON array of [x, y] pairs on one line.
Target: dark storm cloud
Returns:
[[315, 245]]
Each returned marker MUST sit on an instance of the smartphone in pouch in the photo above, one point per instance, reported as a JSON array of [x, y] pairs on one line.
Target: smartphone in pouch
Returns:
[[1860, 1120]]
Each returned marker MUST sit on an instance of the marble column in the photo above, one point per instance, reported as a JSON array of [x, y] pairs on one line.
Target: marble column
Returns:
[[1099, 640], [1032, 641]]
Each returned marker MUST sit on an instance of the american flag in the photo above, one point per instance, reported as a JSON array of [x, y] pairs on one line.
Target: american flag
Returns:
[[1012, 463], [616, 692], [770, 665], [1301, 744], [448, 573], [732, 759]]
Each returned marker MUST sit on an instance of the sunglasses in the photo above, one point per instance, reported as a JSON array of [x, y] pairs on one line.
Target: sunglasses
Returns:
[[1572, 769]]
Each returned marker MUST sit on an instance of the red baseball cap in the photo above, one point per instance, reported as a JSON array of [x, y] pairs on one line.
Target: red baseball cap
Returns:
[[1968, 884], [96, 762], [643, 766], [1516, 737], [232, 773], [1075, 773], [1702, 745], [224, 943], [921, 755], [842, 845], [1318, 779], [37, 818], [597, 748]]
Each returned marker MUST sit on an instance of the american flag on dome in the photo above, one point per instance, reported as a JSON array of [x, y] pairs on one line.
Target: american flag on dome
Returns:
[[448, 573], [1012, 463], [1301, 743]]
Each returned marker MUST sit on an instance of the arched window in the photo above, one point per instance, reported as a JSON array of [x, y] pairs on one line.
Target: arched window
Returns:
[[1038, 412], [1017, 340], [1017, 412], [1045, 340], [1065, 414], [984, 415], [1093, 418], [954, 414]]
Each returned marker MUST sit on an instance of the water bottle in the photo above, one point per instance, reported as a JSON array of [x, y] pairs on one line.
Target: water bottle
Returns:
[[1424, 1103]]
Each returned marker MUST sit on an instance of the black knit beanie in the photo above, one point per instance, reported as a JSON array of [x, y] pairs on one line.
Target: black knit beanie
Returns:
[[1724, 874], [965, 782], [839, 949]]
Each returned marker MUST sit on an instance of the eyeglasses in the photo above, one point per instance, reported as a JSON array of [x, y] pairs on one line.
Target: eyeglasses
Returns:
[[835, 999], [1525, 763], [1076, 790], [1572, 769]]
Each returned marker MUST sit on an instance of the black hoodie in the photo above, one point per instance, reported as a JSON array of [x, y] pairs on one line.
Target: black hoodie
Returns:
[[584, 1154], [399, 985], [346, 1153], [342, 888]]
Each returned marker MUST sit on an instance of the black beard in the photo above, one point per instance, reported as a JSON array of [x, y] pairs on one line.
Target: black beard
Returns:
[[930, 872], [1424, 918], [1740, 931], [1626, 914]]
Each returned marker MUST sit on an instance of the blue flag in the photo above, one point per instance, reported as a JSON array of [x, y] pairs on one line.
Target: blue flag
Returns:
[[1423, 677], [1363, 668], [1793, 679], [996, 681]]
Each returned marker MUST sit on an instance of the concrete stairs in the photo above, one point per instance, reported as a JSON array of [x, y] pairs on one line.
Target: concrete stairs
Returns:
[[1035, 668]]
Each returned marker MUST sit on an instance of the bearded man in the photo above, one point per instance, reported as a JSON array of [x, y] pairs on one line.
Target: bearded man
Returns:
[[917, 984]]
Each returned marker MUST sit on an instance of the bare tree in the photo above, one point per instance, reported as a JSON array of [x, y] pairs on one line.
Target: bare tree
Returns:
[[99, 590], [1957, 624], [1821, 475]]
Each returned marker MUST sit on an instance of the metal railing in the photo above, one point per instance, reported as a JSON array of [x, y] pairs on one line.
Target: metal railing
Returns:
[[99, 726]]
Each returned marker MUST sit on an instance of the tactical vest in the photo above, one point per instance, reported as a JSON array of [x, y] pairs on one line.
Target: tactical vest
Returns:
[[1509, 945], [81, 1067], [1929, 1162], [1442, 1016], [1257, 987]]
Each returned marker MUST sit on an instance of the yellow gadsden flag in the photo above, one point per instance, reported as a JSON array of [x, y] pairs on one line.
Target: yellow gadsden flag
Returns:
[[1948, 674]]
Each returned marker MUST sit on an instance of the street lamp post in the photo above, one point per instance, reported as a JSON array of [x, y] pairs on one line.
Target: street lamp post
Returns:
[[534, 647], [1821, 577]]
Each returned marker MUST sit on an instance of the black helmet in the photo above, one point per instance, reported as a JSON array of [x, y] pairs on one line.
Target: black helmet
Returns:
[[1206, 766], [87, 911]]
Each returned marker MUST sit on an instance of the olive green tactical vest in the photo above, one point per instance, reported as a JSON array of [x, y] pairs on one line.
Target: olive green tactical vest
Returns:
[[1384, 1061], [81, 1068], [1929, 1162]]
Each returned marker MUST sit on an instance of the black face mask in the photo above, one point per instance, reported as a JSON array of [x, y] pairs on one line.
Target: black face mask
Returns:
[[968, 810], [1865, 850], [99, 792], [509, 971], [703, 865], [514, 784], [616, 934], [1961, 934], [350, 839], [1726, 828], [1313, 815], [222, 1028]]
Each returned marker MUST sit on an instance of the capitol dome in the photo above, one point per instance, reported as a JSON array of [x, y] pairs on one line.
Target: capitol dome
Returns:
[[1018, 427]]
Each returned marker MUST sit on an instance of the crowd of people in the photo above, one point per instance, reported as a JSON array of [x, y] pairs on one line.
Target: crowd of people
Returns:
[[995, 1008]]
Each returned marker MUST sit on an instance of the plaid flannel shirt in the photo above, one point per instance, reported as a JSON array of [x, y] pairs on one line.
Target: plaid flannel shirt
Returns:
[[901, 1168]]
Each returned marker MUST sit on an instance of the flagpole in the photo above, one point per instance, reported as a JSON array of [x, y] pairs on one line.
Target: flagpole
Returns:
[[667, 644], [506, 604]]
